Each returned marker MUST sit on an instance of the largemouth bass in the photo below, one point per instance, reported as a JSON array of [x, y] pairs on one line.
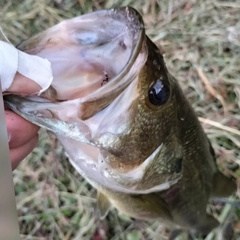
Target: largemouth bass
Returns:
[[124, 121]]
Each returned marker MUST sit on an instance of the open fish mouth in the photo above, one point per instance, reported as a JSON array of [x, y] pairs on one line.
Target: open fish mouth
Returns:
[[94, 57]]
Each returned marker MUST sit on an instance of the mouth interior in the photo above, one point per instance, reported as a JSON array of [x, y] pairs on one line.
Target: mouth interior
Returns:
[[87, 53]]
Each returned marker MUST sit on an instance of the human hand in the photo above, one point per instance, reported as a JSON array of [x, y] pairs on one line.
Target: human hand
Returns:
[[23, 135], [22, 74]]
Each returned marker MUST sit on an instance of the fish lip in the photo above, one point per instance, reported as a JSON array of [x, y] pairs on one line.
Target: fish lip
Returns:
[[126, 14]]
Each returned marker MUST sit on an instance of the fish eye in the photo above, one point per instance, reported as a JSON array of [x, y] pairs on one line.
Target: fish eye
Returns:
[[158, 93]]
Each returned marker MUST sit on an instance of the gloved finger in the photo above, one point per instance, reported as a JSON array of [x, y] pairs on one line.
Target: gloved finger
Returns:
[[23, 86]]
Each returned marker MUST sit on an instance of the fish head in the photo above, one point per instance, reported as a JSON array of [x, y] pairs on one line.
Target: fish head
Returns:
[[111, 101]]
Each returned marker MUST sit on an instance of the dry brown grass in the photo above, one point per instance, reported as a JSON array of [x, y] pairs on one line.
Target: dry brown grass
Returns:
[[201, 44]]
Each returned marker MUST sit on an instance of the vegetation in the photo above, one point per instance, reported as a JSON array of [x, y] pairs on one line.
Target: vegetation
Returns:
[[201, 44]]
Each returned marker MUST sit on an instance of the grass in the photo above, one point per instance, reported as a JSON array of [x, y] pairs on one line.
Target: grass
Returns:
[[201, 44]]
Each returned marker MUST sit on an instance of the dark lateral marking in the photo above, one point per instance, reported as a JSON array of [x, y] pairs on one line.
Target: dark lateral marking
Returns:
[[178, 166]]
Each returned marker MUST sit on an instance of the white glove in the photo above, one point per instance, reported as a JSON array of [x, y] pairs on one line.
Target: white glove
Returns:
[[33, 67]]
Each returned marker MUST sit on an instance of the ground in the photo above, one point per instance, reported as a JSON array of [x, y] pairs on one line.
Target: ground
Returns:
[[200, 41]]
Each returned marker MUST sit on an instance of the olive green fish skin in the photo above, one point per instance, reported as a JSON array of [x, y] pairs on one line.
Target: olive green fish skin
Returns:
[[183, 156], [186, 151]]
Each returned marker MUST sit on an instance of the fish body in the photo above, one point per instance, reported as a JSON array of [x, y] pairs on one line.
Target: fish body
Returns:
[[124, 121]]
